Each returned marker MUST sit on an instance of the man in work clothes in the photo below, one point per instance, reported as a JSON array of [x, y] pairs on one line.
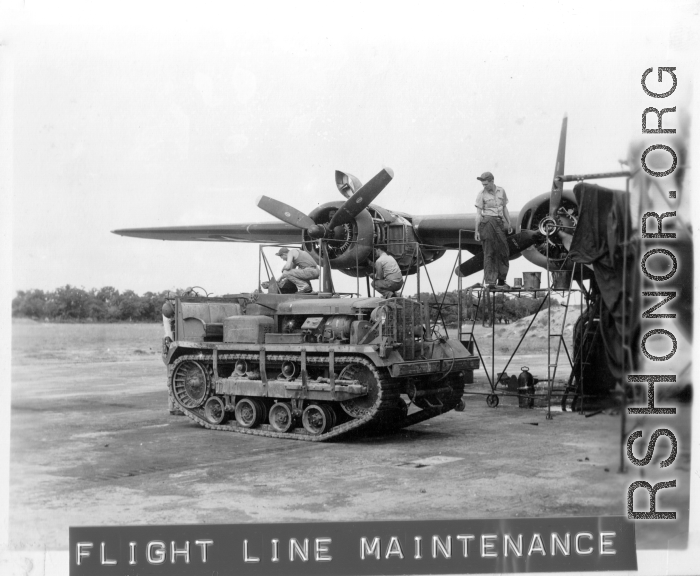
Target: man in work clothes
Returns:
[[299, 268], [492, 221], [387, 276]]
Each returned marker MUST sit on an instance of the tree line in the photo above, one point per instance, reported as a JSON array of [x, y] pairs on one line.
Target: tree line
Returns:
[[506, 308], [72, 304]]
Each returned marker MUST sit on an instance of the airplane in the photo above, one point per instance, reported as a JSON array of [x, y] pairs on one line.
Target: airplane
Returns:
[[350, 228]]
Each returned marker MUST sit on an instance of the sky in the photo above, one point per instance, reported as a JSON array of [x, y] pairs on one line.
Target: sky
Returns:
[[182, 116]]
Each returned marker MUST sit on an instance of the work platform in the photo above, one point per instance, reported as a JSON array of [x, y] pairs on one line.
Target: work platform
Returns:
[[555, 342]]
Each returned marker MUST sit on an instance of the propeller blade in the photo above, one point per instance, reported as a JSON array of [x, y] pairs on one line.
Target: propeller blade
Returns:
[[326, 264], [516, 244], [558, 185], [347, 183], [273, 287], [284, 212], [361, 199]]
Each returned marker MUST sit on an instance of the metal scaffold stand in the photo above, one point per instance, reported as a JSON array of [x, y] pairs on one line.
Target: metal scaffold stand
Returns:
[[584, 339], [555, 340]]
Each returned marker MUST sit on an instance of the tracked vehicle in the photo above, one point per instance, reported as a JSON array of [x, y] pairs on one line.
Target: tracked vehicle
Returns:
[[308, 367]]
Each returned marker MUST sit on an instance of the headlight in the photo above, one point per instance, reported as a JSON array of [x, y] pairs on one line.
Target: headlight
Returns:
[[379, 315]]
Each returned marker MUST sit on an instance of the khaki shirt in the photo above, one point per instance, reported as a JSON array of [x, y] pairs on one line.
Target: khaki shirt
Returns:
[[387, 269], [301, 259], [492, 204]]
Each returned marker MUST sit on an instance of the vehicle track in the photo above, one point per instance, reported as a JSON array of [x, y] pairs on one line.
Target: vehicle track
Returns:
[[383, 412]]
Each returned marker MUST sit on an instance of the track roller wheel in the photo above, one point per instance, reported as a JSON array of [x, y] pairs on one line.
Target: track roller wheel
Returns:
[[249, 412], [317, 419], [461, 405], [359, 407], [264, 410], [215, 410], [334, 415], [190, 384], [492, 400], [281, 418]]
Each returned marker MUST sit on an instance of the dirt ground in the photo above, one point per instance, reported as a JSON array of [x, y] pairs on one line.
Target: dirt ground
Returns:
[[92, 443]]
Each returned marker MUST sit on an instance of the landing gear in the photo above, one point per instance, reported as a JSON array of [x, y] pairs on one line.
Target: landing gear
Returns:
[[492, 400]]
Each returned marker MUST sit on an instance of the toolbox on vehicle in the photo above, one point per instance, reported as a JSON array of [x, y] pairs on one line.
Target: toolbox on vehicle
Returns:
[[247, 329]]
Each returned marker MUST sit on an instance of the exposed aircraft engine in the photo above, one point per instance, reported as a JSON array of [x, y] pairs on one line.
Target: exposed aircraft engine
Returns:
[[350, 229], [349, 244], [535, 215]]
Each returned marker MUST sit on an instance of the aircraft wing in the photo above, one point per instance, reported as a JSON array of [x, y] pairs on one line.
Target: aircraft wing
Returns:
[[273, 232]]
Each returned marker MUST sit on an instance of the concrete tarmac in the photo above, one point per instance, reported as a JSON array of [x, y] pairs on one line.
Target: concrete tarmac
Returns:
[[93, 444]]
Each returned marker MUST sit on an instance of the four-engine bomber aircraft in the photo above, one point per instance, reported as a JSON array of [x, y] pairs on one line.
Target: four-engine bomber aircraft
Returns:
[[352, 227]]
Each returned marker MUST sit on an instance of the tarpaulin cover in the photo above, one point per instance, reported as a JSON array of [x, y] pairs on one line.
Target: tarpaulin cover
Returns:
[[599, 240]]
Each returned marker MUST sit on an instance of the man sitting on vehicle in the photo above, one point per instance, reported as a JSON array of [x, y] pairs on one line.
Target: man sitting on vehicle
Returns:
[[299, 268], [387, 276]]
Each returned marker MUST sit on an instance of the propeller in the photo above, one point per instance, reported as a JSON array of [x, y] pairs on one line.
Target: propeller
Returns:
[[347, 183], [327, 282], [358, 198], [548, 225], [284, 212], [361, 199], [516, 244], [557, 184], [272, 286], [345, 214]]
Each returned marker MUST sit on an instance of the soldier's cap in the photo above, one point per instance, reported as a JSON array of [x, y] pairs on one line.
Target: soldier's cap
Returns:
[[282, 251], [485, 177]]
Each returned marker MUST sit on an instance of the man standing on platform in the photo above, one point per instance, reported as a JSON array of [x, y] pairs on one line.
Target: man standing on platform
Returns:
[[387, 276], [492, 221]]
